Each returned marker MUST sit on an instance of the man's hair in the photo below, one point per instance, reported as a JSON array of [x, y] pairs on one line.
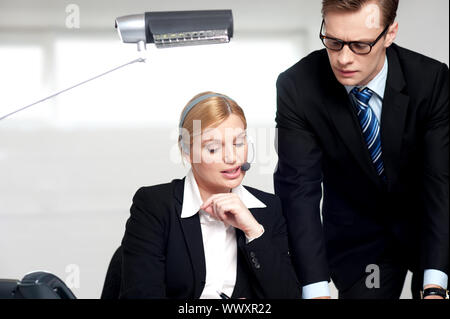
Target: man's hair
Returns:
[[388, 7]]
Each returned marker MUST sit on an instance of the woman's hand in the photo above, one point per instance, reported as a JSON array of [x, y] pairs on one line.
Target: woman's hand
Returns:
[[229, 209]]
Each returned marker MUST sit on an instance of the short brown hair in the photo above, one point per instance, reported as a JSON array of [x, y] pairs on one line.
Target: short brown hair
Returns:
[[388, 7], [211, 112]]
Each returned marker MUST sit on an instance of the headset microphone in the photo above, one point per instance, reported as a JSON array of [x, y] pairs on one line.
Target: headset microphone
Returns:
[[245, 167]]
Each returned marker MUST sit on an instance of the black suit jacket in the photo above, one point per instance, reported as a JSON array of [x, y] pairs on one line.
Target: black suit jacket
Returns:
[[163, 253], [320, 140]]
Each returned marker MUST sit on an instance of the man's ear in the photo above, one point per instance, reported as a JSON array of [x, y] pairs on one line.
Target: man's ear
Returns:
[[391, 34]]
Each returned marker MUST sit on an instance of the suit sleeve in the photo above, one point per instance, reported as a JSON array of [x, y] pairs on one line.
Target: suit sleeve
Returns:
[[269, 259], [143, 265], [297, 181], [435, 238]]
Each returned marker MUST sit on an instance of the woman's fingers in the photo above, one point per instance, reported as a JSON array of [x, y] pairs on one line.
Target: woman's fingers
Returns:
[[211, 199], [210, 206], [224, 209], [228, 208]]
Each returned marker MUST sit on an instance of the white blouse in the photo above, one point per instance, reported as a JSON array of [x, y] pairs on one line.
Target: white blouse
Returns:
[[219, 239]]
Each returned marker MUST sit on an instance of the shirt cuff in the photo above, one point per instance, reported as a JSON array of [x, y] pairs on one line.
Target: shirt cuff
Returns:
[[318, 289], [248, 239], [435, 277]]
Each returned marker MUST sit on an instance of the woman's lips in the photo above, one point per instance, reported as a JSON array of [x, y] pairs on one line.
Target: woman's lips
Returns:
[[232, 173]]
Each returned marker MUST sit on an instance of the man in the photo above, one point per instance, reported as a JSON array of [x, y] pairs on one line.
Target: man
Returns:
[[368, 120]]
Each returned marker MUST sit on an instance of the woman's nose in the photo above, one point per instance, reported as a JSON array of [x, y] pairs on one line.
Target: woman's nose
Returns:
[[229, 156]]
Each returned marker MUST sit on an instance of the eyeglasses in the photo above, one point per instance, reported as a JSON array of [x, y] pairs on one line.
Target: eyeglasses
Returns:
[[361, 48]]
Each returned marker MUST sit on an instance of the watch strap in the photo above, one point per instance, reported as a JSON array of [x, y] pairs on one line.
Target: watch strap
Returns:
[[435, 292]]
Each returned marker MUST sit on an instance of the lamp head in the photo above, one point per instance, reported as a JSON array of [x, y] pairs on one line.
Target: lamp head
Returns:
[[176, 28]]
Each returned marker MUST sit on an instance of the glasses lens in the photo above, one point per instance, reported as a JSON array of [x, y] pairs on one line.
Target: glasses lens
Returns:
[[332, 44], [360, 48]]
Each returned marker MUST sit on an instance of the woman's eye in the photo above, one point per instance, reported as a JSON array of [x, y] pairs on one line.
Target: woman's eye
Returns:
[[212, 150], [239, 144]]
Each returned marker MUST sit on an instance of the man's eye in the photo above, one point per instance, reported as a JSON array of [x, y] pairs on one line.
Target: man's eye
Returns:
[[331, 43], [360, 46]]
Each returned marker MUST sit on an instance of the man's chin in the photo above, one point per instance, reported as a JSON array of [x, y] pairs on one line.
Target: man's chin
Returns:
[[347, 81]]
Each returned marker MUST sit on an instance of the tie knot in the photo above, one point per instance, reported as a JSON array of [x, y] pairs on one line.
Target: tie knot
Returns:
[[363, 95]]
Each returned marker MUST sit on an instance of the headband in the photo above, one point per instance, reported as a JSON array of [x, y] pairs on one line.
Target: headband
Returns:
[[198, 100]]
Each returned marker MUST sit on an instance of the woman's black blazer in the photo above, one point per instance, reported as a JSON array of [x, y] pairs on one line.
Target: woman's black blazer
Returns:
[[163, 253]]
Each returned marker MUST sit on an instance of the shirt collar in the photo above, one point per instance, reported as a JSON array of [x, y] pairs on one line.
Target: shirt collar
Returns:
[[378, 84], [192, 199]]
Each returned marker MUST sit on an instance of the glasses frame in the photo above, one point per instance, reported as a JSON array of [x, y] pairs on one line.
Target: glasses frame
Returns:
[[349, 43]]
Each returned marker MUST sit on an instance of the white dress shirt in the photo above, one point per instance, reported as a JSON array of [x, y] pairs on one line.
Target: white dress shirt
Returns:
[[378, 86], [219, 239]]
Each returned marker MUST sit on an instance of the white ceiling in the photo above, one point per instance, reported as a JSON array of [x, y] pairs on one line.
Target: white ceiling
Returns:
[[248, 14], [424, 25]]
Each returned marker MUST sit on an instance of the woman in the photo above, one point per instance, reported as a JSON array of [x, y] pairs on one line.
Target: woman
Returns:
[[207, 236]]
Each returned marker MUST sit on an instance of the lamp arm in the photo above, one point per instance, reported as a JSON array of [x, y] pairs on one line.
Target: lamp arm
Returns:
[[70, 88]]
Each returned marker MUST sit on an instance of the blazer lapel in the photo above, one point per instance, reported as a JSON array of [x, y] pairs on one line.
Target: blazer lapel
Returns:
[[393, 116], [338, 104], [193, 236]]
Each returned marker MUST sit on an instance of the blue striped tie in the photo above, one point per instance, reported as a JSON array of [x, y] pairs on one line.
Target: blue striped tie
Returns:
[[370, 127]]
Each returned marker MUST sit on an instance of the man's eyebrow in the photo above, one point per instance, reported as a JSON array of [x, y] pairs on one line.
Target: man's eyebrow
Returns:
[[360, 40], [327, 34]]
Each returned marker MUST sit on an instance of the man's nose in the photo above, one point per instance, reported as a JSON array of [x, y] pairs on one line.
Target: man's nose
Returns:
[[345, 56]]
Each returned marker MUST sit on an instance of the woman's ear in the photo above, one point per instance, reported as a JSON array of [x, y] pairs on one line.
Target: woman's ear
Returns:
[[185, 152], [187, 158]]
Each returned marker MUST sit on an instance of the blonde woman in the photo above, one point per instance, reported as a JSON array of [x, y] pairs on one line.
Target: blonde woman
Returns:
[[206, 235]]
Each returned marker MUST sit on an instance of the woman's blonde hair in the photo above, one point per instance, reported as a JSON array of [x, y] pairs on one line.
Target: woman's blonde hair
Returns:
[[211, 111]]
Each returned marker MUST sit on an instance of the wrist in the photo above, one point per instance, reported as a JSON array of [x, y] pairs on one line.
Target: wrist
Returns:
[[434, 292], [254, 232]]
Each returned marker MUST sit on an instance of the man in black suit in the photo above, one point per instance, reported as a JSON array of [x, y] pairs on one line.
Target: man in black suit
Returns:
[[368, 120]]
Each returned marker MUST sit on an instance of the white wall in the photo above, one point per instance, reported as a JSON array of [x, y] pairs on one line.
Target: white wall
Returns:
[[70, 166]]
